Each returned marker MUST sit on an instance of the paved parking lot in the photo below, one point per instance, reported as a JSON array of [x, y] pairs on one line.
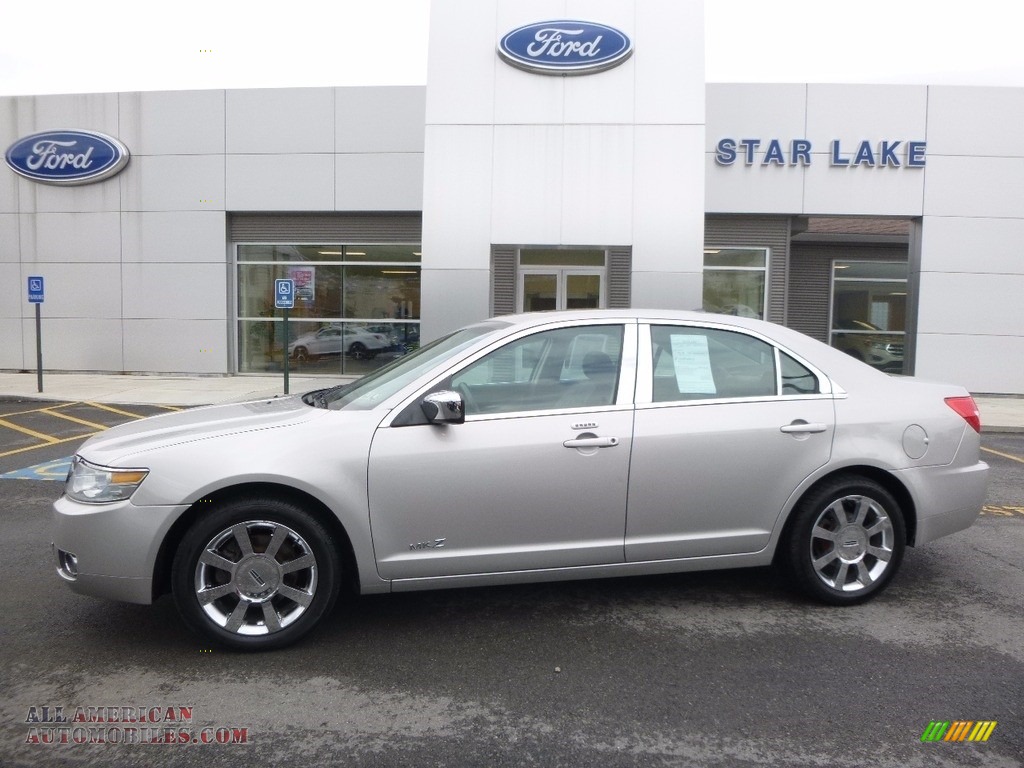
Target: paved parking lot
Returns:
[[723, 669]]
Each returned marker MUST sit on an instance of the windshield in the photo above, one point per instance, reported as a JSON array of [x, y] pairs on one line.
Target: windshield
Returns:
[[370, 390]]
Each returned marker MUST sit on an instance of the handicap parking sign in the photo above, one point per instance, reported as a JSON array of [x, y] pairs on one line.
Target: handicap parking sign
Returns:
[[284, 294], [35, 289]]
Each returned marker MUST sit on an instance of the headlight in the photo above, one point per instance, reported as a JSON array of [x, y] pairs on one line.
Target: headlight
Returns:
[[93, 484]]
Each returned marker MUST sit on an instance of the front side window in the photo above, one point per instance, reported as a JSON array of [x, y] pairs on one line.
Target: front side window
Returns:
[[706, 363], [563, 368], [869, 311], [356, 306], [734, 281]]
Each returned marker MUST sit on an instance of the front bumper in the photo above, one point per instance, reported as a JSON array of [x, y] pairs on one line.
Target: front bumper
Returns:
[[114, 547]]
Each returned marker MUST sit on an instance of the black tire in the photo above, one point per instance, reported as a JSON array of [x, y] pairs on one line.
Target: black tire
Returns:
[[301, 355], [358, 351], [255, 601], [845, 541]]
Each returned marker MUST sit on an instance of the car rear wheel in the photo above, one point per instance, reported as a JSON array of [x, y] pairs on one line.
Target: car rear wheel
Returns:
[[301, 355], [845, 542], [255, 574]]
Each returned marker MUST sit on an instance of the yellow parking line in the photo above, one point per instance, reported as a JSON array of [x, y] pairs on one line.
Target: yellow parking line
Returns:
[[1004, 455], [112, 409], [83, 422], [37, 447], [37, 410], [31, 433]]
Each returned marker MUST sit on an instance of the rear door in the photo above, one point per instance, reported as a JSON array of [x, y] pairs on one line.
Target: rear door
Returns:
[[727, 426]]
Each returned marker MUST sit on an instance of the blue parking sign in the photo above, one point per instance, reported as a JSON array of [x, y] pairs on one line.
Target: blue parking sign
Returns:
[[284, 294], [35, 289]]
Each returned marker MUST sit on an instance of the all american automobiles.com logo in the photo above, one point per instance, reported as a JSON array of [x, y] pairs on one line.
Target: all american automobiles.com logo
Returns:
[[50, 725]]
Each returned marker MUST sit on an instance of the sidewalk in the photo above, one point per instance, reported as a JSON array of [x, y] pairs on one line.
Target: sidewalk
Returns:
[[999, 413]]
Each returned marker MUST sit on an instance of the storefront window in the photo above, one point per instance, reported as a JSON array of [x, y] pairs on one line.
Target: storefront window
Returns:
[[356, 306], [869, 311], [734, 281]]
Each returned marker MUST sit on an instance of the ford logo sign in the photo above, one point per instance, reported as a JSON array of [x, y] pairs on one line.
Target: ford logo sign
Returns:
[[565, 47], [67, 157]]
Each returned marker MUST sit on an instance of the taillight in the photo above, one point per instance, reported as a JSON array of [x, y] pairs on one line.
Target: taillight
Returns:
[[967, 408]]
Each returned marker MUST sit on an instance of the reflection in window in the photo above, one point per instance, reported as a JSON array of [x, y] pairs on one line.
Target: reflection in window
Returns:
[[702, 363], [356, 306], [563, 368], [869, 311], [734, 281]]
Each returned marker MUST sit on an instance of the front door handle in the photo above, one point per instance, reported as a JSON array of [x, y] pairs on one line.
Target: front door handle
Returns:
[[800, 427], [592, 442]]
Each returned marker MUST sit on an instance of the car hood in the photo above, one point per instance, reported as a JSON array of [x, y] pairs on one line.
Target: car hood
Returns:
[[133, 438]]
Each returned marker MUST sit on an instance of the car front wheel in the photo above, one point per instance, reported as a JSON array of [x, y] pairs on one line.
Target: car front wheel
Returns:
[[255, 574], [846, 541]]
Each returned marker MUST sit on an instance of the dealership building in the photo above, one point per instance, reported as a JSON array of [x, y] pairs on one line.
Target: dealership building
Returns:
[[561, 155]]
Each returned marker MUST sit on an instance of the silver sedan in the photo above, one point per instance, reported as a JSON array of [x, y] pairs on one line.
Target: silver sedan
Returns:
[[534, 447]]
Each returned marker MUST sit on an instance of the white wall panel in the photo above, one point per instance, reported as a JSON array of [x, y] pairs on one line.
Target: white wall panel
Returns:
[[971, 304], [862, 191], [174, 183], [528, 172], [986, 187], [597, 184], [10, 238], [855, 113], [983, 364], [46, 198], [173, 122], [973, 245], [669, 39], [668, 290], [173, 236], [379, 182], [179, 291], [280, 182], [280, 120], [668, 198], [752, 189], [458, 297], [173, 346], [379, 120], [80, 291], [87, 343], [13, 350], [74, 237], [461, 60], [81, 111], [758, 111], [14, 290], [975, 121], [457, 179]]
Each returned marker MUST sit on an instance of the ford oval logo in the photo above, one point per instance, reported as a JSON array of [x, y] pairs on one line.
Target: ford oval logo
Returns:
[[67, 157], [565, 47]]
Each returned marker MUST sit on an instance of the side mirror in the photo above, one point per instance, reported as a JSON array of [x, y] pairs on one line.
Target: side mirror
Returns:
[[445, 407]]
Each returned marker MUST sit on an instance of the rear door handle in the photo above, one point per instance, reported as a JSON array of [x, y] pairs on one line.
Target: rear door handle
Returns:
[[803, 428], [592, 442]]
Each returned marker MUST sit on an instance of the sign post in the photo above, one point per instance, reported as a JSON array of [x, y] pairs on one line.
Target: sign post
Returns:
[[36, 293], [284, 299]]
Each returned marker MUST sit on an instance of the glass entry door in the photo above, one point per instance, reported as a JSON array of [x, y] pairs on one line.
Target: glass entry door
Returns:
[[552, 288]]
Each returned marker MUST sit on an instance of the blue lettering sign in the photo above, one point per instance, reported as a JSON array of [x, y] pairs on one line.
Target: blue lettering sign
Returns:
[[915, 154], [801, 152], [565, 47], [773, 155], [725, 153]]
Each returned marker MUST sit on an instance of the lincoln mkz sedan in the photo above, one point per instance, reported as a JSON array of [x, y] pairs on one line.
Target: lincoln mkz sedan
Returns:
[[535, 447]]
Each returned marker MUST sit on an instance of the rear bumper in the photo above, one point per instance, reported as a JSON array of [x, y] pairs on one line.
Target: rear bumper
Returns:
[[948, 499]]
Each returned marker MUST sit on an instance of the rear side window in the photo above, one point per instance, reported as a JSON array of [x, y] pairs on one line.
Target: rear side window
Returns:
[[704, 363], [797, 379]]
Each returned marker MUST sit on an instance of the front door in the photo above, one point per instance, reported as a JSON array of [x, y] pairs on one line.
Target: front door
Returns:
[[535, 478]]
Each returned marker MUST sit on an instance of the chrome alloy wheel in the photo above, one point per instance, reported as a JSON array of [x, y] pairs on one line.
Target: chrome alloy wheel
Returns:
[[852, 543], [256, 577]]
